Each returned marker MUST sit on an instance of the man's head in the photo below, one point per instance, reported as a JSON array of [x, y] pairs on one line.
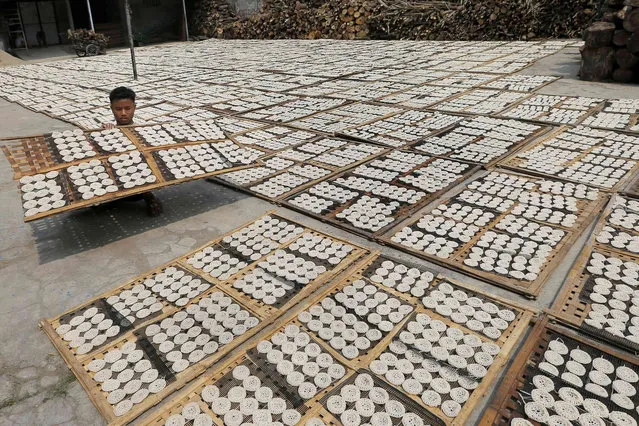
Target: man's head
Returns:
[[123, 105]]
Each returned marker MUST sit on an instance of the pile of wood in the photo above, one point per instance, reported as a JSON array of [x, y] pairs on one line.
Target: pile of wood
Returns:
[[310, 19], [213, 18], [520, 19], [611, 46], [347, 20], [83, 37], [278, 19], [405, 19], [412, 20]]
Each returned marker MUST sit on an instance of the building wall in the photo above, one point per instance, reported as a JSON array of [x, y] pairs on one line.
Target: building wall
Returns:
[[47, 11], [63, 18], [157, 20]]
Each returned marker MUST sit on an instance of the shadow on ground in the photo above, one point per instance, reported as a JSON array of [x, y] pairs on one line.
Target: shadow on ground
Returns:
[[69, 233]]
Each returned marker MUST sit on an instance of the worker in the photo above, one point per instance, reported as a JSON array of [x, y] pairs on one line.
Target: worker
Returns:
[[123, 107], [122, 101]]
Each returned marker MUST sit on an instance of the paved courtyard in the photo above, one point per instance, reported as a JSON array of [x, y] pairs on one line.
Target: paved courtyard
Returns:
[[55, 263]]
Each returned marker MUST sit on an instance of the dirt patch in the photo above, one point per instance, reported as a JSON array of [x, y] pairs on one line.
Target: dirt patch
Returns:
[[7, 60]]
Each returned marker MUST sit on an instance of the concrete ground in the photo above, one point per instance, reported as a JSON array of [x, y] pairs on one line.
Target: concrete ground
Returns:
[[43, 54], [47, 54], [55, 264], [37, 54], [566, 64], [7, 59]]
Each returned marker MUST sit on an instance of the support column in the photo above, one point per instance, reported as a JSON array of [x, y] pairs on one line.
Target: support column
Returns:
[[44, 36], [70, 15], [186, 20], [90, 14], [127, 12], [57, 24]]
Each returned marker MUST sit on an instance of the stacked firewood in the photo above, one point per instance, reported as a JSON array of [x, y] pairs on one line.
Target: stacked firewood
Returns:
[[520, 19], [412, 20], [404, 19], [213, 18], [338, 19], [611, 46], [345, 19], [278, 19], [83, 37]]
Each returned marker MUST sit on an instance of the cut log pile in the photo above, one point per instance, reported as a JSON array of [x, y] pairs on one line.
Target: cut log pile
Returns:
[[213, 18], [611, 46], [412, 20], [341, 19], [402, 19], [521, 19], [278, 19]]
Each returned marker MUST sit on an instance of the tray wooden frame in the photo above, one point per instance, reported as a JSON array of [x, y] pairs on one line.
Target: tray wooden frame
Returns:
[[191, 393], [535, 90], [269, 151], [581, 118], [633, 121], [524, 313], [531, 289], [337, 285], [343, 135], [161, 182], [507, 344], [99, 399], [502, 407], [402, 213], [14, 152], [216, 371], [267, 312], [495, 114], [511, 162], [506, 341], [335, 170], [347, 102], [77, 363], [568, 307], [288, 123]]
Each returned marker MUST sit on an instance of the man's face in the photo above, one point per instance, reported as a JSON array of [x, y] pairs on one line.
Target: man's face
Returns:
[[123, 111]]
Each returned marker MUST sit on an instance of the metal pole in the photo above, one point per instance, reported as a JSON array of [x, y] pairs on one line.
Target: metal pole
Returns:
[[127, 12], [90, 14], [70, 16], [186, 20]]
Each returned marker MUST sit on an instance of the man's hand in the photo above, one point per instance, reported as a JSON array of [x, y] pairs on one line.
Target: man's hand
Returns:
[[108, 126]]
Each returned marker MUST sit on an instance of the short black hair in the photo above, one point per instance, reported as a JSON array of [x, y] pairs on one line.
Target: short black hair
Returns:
[[120, 93]]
